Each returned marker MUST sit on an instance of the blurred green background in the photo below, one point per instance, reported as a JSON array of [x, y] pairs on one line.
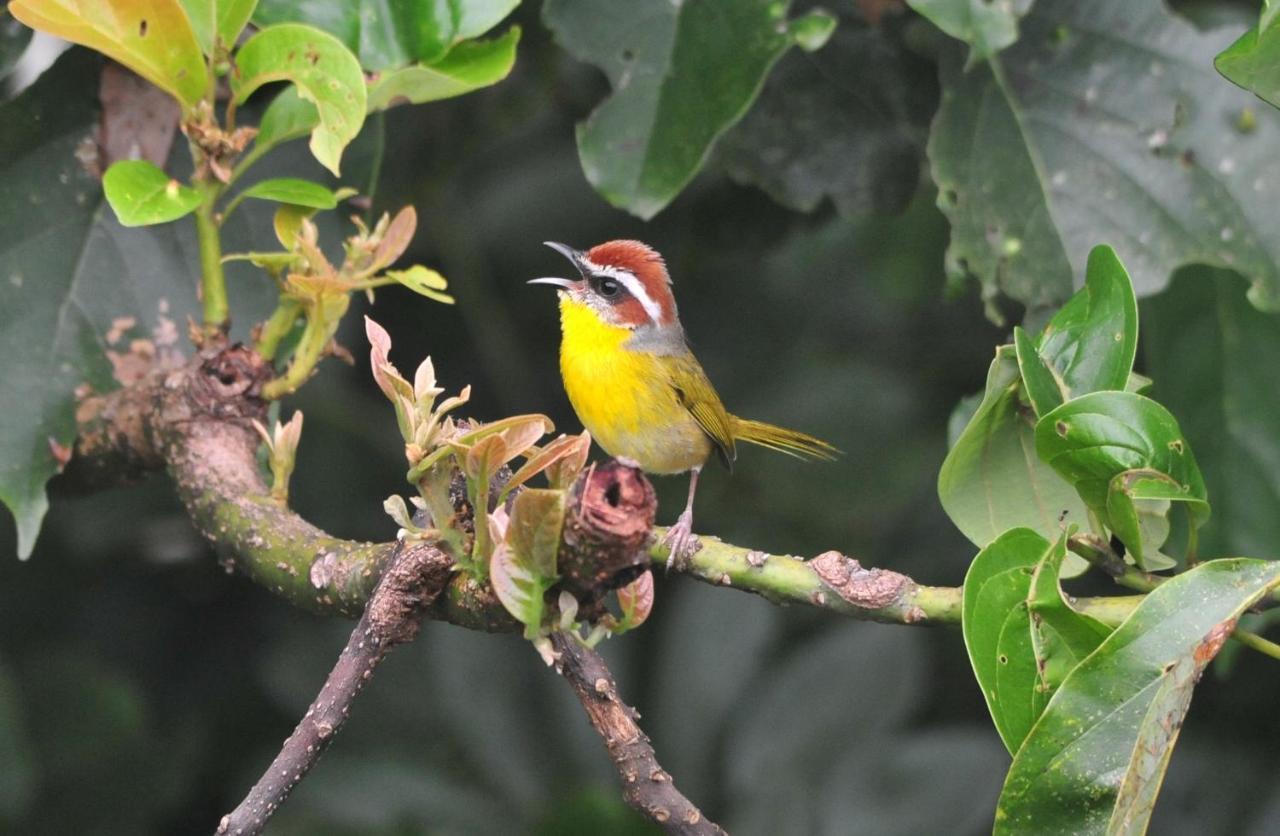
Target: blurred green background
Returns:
[[142, 689]]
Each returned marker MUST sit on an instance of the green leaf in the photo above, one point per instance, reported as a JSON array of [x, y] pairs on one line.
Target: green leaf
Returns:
[[1138, 503], [218, 21], [293, 191], [1253, 61], [1214, 355], [997, 631], [141, 194], [423, 281], [524, 565], [1095, 760], [469, 66], [325, 74], [1093, 439], [682, 73], [986, 26], [992, 480], [1037, 159], [151, 37], [810, 137], [1060, 636], [14, 38], [387, 34], [1089, 345], [1042, 388]]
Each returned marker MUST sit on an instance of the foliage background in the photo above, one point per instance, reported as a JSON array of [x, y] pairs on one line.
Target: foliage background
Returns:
[[141, 689]]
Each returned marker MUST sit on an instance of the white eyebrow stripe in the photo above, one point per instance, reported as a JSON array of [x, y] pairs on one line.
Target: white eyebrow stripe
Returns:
[[633, 286]]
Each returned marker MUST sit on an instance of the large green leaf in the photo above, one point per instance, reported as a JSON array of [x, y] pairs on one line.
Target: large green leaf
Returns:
[[1040, 153], [1214, 356], [323, 71], [988, 26], [1253, 61], [997, 631], [812, 135], [992, 480], [1089, 345], [1118, 447], [153, 38], [388, 34], [682, 73], [1095, 760], [142, 194], [44, 329]]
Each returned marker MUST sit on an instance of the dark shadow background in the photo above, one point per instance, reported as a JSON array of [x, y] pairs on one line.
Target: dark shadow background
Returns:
[[142, 689]]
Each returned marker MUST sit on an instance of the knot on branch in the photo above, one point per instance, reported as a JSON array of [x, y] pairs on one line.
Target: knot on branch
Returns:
[[866, 588], [612, 507], [228, 383], [410, 584]]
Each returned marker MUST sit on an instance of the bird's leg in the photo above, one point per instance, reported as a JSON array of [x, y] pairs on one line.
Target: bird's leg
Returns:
[[680, 537]]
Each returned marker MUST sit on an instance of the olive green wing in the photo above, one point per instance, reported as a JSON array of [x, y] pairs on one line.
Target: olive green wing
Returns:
[[698, 396]]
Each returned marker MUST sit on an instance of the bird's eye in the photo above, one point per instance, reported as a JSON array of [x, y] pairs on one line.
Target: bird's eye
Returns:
[[608, 288]]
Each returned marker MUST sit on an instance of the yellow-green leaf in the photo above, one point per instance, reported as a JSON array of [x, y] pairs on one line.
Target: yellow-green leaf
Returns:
[[153, 38], [325, 73]]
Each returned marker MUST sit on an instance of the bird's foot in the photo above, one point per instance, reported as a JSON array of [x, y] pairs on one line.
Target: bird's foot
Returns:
[[681, 540]]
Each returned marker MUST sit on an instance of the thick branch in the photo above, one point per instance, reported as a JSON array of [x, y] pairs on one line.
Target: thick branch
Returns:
[[646, 786], [413, 581]]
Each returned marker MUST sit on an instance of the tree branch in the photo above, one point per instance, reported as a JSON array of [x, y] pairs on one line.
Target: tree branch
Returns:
[[831, 581], [646, 786], [416, 576]]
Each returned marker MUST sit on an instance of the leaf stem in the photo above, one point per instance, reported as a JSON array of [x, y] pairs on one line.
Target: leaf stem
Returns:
[[277, 327], [213, 287], [1258, 643]]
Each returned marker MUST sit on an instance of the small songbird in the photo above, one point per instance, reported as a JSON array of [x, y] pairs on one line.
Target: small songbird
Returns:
[[634, 382]]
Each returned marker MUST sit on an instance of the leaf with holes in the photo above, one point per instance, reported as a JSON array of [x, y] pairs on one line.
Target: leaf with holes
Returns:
[[1095, 760], [151, 37], [992, 480], [1095, 438], [141, 194], [997, 631], [325, 74], [1038, 158], [1138, 504], [682, 73]]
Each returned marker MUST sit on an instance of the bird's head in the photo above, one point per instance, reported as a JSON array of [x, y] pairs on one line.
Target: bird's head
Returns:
[[624, 282]]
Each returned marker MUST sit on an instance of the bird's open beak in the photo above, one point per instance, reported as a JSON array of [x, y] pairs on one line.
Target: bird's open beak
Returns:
[[568, 252]]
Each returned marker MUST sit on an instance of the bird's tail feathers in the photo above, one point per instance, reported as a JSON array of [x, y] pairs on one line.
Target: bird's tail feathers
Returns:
[[792, 442]]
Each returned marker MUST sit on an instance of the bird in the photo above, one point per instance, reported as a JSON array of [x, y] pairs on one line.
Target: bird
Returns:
[[635, 383]]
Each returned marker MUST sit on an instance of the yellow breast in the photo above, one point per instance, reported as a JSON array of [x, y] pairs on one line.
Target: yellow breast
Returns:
[[624, 397]]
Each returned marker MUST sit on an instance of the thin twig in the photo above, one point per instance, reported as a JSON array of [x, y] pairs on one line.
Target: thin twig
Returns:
[[415, 577], [646, 786]]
